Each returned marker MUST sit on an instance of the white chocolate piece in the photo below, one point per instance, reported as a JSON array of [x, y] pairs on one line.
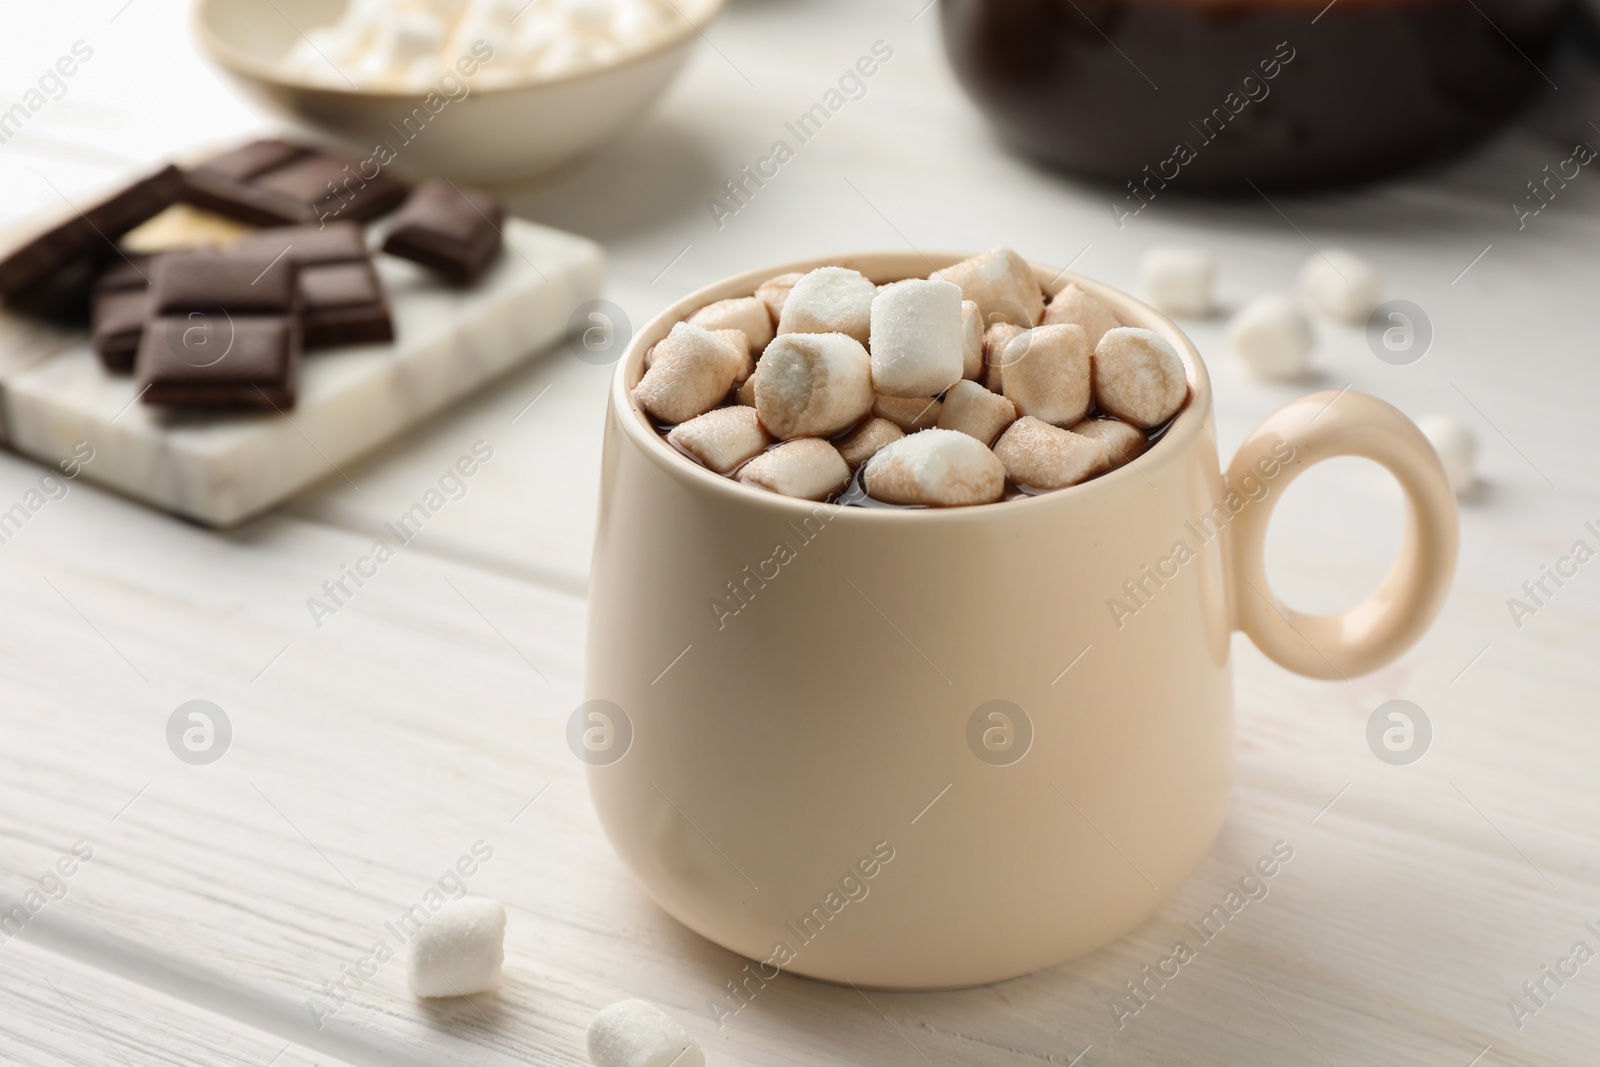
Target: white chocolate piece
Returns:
[[1001, 283], [722, 438], [1272, 338], [1041, 456], [458, 950], [830, 300], [975, 411], [690, 373], [1457, 446], [863, 442], [1340, 285], [746, 314], [807, 467], [633, 1033], [774, 292], [813, 384], [995, 340], [737, 340], [909, 413], [1074, 307], [1178, 280], [971, 341], [939, 468], [1045, 372], [1119, 442], [1138, 377], [917, 340]]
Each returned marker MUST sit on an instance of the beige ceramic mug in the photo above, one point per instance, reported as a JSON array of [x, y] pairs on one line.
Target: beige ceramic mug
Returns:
[[931, 748]]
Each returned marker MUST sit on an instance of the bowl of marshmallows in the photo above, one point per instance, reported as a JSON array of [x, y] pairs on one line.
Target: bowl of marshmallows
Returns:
[[481, 90]]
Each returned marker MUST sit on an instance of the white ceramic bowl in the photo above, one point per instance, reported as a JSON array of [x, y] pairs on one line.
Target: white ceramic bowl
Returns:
[[490, 135]]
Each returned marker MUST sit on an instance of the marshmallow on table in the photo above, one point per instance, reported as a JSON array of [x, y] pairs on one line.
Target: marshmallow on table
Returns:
[[1138, 377], [1001, 283], [830, 300], [917, 343], [1046, 371], [774, 292], [807, 467], [1041, 456], [1272, 337], [812, 384], [1178, 280], [971, 341], [863, 442], [1119, 441], [722, 438], [1457, 446], [1073, 306], [1341, 285], [975, 411], [939, 468], [691, 371], [633, 1033], [909, 413], [458, 950], [746, 313], [995, 340]]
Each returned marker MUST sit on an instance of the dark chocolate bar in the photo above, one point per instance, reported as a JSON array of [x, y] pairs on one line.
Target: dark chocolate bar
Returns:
[[343, 302], [117, 306], [271, 183], [88, 234], [222, 330], [452, 230]]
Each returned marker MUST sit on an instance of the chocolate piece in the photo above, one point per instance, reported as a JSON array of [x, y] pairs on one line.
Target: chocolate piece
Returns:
[[118, 304], [88, 234], [342, 298], [223, 330], [344, 304], [271, 183], [449, 229]]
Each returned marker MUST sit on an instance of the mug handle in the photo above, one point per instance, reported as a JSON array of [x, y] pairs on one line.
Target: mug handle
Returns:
[[1382, 627]]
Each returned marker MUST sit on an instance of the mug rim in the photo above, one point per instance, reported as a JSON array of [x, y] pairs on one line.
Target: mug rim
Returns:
[[882, 267]]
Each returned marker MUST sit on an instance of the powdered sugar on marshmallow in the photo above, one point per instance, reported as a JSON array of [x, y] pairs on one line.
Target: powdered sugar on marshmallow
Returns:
[[941, 468], [917, 342], [813, 384], [830, 300]]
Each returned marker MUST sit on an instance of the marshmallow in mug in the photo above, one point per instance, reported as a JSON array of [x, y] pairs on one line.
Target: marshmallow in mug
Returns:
[[959, 389]]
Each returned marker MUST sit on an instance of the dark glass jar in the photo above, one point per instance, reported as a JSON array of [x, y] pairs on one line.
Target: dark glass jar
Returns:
[[1218, 94]]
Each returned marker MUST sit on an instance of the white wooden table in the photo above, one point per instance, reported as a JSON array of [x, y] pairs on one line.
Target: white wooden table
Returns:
[[429, 713]]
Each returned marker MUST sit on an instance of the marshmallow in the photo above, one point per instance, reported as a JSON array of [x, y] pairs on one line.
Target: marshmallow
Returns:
[[1045, 372], [1074, 307], [1457, 446], [1178, 280], [917, 343], [1001, 283], [774, 292], [808, 467], [995, 339], [1272, 337], [940, 468], [747, 314], [863, 442], [975, 411], [1041, 456], [830, 300], [736, 340], [971, 341], [1138, 377], [1341, 286], [813, 384], [458, 950], [909, 413], [746, 395], [632, 1033], [691, 371], [722, 438], [1118, 441]]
